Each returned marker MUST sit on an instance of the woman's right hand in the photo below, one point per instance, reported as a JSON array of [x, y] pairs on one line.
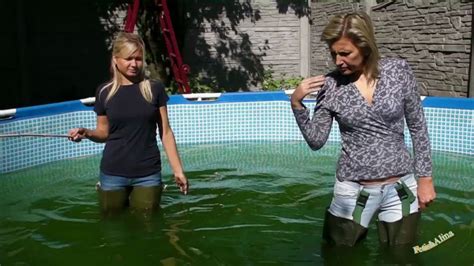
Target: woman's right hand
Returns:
[[307, 86], [182, 182], [77, 134]]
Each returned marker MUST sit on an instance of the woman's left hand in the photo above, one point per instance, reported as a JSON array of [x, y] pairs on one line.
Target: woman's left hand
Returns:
[[426, 191], [182, 182]]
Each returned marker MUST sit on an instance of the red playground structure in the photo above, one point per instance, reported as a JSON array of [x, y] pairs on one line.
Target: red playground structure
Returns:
[[180, 70]]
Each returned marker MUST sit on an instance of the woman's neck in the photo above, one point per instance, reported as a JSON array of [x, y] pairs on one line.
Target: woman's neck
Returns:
[[362, 77], [125, 81]]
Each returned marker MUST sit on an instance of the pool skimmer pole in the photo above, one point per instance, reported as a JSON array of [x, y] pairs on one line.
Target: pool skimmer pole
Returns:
[[33, 135]]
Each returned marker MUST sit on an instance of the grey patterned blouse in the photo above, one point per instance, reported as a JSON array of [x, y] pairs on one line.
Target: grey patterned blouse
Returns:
[[372, 136]]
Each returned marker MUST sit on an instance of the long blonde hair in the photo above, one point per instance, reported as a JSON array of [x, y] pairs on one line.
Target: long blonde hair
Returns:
[[358, 28], [124, 45]]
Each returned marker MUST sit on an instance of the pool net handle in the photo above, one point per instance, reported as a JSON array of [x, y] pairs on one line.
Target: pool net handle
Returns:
[[33, 135]]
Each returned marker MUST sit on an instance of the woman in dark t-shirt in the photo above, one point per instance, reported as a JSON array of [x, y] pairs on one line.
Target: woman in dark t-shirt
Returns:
[[130, 109]]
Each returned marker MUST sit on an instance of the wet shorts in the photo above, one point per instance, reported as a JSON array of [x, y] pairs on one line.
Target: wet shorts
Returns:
[[113, 182]]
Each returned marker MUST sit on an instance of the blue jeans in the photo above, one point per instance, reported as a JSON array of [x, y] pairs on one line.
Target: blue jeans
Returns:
[[113, 182], [383, 199]]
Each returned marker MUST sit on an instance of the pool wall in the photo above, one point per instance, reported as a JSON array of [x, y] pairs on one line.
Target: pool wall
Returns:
[[256, 116]]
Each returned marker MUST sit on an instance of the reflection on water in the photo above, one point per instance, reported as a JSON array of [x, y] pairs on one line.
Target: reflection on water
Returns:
[[250, 203]]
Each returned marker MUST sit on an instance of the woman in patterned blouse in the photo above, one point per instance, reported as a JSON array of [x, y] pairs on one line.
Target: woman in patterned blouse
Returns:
[[371, 99]]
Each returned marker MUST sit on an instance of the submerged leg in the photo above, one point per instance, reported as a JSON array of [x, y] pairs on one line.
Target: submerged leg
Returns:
[[398, 238], [344, 254], [347, 218], [341, 231], [399, 214], [400, 232], [113, 201], [145, 198]]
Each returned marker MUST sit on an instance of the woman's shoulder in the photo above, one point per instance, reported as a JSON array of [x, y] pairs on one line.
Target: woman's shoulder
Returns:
[[104, 85], [159, 92], [103, 88], [156, 83], [335, 80], [330, 82], [331, 86], [392, 63]]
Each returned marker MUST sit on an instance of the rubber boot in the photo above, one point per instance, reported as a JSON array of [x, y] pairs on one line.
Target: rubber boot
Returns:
[[341, 231], [401, 232]]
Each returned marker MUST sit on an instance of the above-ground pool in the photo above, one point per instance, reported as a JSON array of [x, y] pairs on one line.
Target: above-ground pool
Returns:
[[258, 193]]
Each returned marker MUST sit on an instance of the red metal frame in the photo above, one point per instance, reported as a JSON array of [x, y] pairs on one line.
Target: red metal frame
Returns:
[[180, 70], [132, 14]]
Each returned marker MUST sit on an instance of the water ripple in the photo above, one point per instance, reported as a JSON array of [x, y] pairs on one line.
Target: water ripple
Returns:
[[54, 216], [229, 227]]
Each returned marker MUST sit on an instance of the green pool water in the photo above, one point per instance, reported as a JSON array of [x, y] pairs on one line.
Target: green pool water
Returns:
[[249, 204]]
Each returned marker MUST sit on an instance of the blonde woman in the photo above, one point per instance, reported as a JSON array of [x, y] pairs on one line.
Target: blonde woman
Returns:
[[370, 98], [129, 110]]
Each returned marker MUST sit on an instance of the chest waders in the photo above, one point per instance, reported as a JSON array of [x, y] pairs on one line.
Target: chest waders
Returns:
[[402, 231], [342, 231]]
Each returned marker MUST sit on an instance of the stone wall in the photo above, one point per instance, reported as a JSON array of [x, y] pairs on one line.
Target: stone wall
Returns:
[[235, 52], [433, 36]]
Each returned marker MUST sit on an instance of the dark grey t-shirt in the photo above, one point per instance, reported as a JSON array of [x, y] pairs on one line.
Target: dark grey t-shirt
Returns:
[[131, 149], [372, 136]]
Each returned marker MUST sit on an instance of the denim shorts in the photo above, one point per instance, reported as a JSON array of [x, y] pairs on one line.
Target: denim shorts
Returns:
[[113, 182], [383, 199]]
